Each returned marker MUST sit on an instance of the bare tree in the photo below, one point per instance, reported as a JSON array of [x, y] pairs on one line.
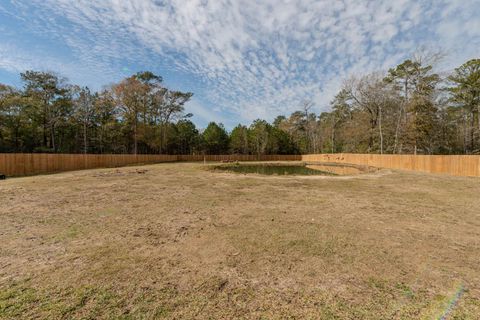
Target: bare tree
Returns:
[[369, 94]]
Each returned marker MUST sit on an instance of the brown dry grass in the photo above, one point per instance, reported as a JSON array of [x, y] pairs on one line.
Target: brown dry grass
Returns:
[[179, 242]]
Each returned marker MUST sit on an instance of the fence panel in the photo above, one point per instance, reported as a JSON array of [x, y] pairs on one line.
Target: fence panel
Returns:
[[19, 164], [457, 165]]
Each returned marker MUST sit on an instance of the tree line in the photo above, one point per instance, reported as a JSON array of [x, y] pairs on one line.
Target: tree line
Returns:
[[408, 109]]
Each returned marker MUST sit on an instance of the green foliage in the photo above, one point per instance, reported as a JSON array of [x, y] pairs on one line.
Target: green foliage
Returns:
[[239, 140], [260, 137], [465, 94], [133, 116], [187, 137], [409, 109], [215, 139]]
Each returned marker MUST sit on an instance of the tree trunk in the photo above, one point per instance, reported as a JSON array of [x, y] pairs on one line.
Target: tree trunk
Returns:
[[53, 138], [333, 138], [373, 126], [465, 132], [135, 136], [85, 137], [380, 129], [478, 121], [45, 142], [397, 132], [472, 131]]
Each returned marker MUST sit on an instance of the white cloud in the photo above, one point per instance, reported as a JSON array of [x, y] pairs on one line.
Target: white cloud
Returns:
[[258, 58]]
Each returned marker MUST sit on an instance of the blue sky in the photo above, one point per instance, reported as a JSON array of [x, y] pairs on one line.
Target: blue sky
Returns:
[[243, 59]]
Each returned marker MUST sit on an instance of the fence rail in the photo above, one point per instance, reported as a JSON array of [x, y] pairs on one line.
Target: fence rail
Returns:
[[21, 164]]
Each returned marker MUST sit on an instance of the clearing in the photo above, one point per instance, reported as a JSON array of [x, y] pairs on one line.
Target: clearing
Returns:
[[177, 241]]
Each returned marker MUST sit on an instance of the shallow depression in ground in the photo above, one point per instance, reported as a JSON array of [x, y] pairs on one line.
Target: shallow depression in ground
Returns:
[[292, 168]]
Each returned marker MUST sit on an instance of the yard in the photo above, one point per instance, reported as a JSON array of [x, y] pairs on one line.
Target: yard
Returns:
[[177, 241]]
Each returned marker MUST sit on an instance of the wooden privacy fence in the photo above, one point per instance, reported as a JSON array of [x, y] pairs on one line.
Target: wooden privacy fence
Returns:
[[457, 165], [20, 164], [240, 157]]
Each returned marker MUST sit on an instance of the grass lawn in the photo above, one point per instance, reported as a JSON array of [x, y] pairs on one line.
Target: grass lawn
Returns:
[[181, 242]]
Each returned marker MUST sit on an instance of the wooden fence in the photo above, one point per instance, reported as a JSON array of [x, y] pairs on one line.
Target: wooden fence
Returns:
[[240, 157], [456, 165], [21, 164]]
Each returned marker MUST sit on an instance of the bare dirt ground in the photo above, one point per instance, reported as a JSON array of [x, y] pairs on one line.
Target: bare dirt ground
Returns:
[[179, 242]]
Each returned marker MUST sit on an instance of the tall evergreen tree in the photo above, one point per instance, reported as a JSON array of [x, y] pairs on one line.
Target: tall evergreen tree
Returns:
[[465, 93], [215, 139]]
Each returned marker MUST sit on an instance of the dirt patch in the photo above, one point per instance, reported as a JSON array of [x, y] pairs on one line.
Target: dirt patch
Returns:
[[120, 172], [341, 169], [180, 242]]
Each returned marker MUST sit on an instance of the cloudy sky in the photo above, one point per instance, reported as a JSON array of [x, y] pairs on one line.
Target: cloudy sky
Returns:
[[243, 59]]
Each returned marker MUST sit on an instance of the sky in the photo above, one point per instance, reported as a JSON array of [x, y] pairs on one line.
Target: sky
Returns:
[[242, 59]]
